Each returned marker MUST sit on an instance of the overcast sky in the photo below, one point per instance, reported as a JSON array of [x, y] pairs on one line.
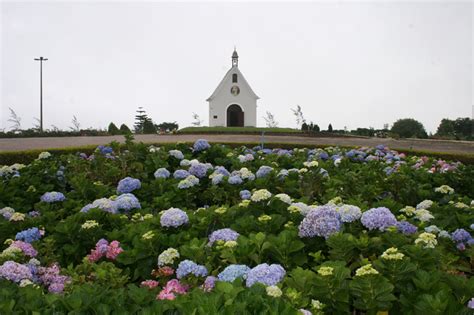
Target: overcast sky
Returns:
[[349, 64]]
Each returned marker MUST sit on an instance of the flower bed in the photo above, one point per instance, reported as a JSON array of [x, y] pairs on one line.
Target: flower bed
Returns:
[[207, 229]]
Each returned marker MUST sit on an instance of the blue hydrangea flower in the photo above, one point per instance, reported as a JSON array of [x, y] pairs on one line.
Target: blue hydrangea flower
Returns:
[[263, 171], [245, 194], [103, 204], [223, 235], [265, 274], [406, 228], [201, 145], [128, 184], [29, 235], [104, 149], [199, 170], [221, 170], [176, 154], [378, 218], [180, 174], [53, 196], [162, 173], [173, 217], [321, 221], [187, 267], [127, 202], [217, 179], [461, 236], [235, 180], [232, 272]]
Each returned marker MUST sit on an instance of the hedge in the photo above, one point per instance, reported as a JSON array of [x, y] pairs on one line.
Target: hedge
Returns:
[[26, 157]]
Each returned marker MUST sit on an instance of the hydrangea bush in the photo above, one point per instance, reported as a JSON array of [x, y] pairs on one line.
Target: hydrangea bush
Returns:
[[186, 228]]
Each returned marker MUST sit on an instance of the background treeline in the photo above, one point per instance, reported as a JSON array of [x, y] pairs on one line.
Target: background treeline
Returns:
[[458, 129]]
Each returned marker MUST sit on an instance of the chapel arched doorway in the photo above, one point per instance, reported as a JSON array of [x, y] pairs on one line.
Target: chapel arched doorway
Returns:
[[235, 116]]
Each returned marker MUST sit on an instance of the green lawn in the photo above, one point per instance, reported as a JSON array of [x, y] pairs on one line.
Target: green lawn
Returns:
[[191, 130]]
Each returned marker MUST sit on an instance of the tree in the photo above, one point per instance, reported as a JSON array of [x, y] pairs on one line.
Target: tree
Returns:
[[140, 119], [316, 128], [197, 120], [464, 127], [76, 126], [330, 128], [149, 126], [125, 130], [15, 120], [298, 115], [446, 128], [409, 128], [113, 130], [270, 120], [167, 126], [304, 127]]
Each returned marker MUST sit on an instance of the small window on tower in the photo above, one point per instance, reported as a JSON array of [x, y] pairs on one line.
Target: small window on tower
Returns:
[[234, 78], [215, 116]]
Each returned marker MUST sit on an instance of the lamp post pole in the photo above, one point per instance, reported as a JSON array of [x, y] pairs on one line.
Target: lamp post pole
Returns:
[[41, 59]]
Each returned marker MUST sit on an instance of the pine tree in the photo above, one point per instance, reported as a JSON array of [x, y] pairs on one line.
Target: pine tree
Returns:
[[330, 128], [124, 129], [140, 119], [113, 130]]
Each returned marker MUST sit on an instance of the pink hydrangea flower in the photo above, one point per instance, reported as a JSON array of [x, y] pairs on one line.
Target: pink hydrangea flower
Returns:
[[150, 284]]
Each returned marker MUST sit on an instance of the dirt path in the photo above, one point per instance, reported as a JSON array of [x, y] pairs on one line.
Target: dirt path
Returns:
[[21, 144]]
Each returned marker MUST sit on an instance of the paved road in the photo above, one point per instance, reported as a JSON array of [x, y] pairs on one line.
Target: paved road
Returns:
[[20, 144]]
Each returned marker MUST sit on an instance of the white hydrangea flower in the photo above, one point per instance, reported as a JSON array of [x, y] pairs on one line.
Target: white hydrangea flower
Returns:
[[425, 204], [444, 189], [260, 195], [428, 240], [284, 197]]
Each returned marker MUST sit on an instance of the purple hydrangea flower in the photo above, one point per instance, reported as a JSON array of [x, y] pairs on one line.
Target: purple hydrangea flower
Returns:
[[235, 180], [470, 304], [265, 274], [321, 221], [461, 235], [187, 267], [201, 145], [199, 170], [209, 283], [127, 202], [162, 173], [263, 171], [14, 271], [173, 217], [245, 194], [7, 212], [378, 218], [232, 272], [180, 174], [128, 184], [406, 227], [221, 170], [29, 235], [223, 235], [52, 196]]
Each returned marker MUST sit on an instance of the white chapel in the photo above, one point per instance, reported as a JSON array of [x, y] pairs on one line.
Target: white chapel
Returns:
[[233, 103]]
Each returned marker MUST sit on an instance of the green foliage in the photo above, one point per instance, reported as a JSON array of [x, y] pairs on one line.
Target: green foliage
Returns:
[[409, 128], [423, 281]]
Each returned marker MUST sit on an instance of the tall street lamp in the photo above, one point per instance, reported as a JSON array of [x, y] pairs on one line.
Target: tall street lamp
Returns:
[[41, 59]]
